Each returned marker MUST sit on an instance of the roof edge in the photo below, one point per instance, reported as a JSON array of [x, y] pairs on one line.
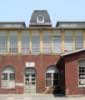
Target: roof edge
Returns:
[[72, 52]]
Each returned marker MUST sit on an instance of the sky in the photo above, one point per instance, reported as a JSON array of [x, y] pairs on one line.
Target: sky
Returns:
[[59, 10]]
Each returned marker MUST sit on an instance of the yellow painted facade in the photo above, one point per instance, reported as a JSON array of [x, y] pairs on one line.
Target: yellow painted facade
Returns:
[[41, 33]]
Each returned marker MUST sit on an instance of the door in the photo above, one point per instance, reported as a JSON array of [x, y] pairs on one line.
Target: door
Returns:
[[30, 81]]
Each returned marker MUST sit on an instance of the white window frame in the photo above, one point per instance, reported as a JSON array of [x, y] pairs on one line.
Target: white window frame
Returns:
[[8, 84], [79, 80], [40, 21], [30, 71], [52, 73]]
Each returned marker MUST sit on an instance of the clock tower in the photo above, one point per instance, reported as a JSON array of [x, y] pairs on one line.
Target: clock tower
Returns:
[[40, 18]]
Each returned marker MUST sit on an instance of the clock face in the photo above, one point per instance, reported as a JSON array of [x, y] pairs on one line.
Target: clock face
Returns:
[[40, 19]]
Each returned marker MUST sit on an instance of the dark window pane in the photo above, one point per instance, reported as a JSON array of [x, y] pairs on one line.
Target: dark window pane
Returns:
[[12, 76], [4, 76]]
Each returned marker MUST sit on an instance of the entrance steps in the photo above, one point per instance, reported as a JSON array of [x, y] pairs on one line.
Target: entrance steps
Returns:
[[48, 90], [30, 91]]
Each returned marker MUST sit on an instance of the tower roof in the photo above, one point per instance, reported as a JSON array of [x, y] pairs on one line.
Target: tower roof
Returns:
[[40, 18]]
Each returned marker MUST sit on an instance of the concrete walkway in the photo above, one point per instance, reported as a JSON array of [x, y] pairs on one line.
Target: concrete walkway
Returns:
[[37, 97]]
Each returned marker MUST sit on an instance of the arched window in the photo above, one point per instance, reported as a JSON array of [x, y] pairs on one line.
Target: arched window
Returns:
[[8, 77], [82, 73], [52, 76]]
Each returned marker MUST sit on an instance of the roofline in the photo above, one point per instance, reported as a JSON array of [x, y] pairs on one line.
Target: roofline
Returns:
[[72, 52], [47, 23], [69, 22], [41, 28], [41, 10], [12, 22]]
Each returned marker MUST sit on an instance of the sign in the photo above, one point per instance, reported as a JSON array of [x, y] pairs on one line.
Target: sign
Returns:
[[30, 64]]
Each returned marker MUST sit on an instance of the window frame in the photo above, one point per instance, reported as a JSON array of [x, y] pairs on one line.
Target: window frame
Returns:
[[51, 77], [47, 50], [66, 37], [35, 34], [77, 35], [57, 34], [80, 85], [12, 49], [4, 50], [8, 81], [25, 43]]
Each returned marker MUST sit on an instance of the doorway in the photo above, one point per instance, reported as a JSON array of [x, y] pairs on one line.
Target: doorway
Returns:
[[30, 80]]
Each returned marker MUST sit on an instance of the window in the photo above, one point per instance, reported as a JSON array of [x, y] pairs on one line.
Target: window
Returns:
[[78, 40], [30, 77], [8, 78], [40, 19], [82, 73], [25, 41], [12, 76], [68, 41], [4, 76], [13, 39], [3, 42], [35, 43], [46, 42], [57, 42], [52, 76], [49, 79]]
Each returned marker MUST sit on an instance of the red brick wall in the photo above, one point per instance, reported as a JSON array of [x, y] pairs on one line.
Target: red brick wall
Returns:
[[71, 74], [41, 64]]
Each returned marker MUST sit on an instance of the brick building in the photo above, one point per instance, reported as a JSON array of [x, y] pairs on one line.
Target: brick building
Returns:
[[41, 58]]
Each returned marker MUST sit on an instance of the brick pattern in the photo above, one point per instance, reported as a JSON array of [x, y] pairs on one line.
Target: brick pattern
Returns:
[[42, 62], [71, 74]]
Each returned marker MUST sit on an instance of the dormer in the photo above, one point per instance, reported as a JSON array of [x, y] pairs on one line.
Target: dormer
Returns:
[[40, 18]]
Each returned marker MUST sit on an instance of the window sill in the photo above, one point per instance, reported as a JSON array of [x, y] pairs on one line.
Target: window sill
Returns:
[[81, 86], [7, 88]]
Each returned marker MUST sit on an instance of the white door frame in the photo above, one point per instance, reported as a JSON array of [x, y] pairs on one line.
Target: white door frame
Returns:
[[29, 86]]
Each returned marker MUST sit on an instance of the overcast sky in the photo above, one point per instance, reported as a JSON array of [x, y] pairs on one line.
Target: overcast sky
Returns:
[[59, 10]]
